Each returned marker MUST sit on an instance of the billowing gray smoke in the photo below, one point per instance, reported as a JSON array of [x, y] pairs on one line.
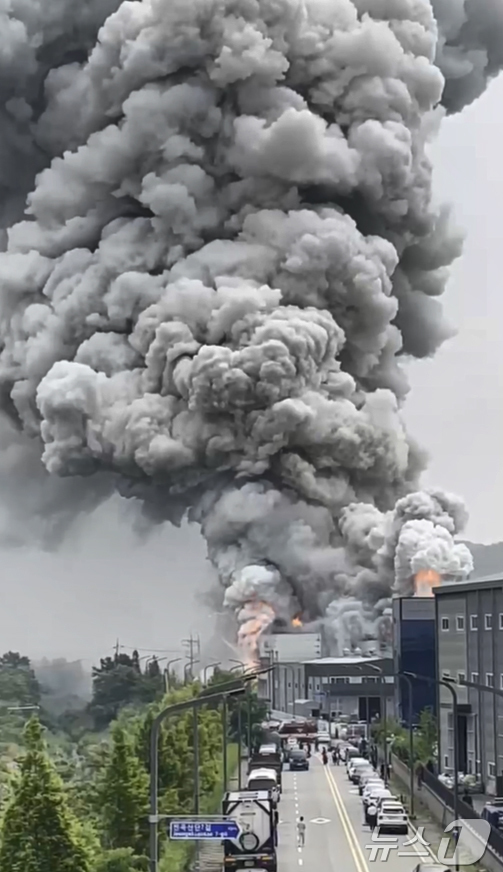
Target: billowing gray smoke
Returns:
[[230, 251]]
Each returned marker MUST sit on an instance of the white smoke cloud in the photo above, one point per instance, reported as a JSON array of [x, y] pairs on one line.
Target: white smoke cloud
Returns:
[[229, 249]]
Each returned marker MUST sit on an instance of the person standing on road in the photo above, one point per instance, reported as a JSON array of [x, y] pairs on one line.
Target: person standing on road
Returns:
[[372, 816], [324, 756], [301, 832]]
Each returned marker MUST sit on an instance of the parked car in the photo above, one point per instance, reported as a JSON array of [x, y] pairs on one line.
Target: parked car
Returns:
[[349, 753], [354, 770], [373, 784], [493, 812], [392, 817], [377, 798], [362, 776], [298, 760], [354, 761]]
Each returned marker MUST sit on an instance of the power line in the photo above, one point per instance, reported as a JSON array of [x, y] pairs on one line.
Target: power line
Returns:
[[154, 650]]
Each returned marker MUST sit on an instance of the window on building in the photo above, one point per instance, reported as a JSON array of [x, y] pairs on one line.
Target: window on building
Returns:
[[470, 767], [489, 679], [488, 620], [461, 677], [501, 620], [341, 680], [444, 624], [475, 677], [474, 624], [491, 769], [501, 681], [460, 623], [446, 761]]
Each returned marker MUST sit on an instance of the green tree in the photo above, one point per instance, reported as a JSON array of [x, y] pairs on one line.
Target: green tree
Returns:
[[119, 860], [123, 796], [18, 684], [39, 834], [252, 704], [118, 682], [426, 737]]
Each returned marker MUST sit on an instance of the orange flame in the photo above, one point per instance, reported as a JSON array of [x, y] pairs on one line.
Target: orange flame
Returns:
[[296, 621], [256, 617], [425, 580]]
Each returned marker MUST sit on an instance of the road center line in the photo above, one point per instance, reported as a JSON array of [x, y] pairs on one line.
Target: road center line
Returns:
[[347, 826]]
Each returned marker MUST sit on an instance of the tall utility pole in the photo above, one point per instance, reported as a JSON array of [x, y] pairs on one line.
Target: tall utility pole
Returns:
[[193, 645]]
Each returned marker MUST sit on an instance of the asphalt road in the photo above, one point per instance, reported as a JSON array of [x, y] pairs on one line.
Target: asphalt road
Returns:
[[336, 837]]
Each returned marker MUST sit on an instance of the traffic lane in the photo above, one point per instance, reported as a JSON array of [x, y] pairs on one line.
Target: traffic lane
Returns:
[[327, 848], [400, 857], [287, 836]]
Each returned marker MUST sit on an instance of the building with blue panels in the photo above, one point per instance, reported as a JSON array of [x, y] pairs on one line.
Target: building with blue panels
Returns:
[[414, 650]]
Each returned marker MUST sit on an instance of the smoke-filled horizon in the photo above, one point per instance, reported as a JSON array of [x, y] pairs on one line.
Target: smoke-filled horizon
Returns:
[[228, 252]]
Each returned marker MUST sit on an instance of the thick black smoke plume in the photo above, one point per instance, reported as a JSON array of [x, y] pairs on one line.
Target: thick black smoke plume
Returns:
[[228, 251]]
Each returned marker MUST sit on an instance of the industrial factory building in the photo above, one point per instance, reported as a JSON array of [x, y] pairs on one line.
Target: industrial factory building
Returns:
[[304, 682], [453, 631], [469, 632], [287, 651]]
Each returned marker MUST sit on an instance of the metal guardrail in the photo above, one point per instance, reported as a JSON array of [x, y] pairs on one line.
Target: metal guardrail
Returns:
[[466, 811]]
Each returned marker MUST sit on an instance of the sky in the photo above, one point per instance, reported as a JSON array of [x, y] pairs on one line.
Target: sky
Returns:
[[103, 583], [455, 405]]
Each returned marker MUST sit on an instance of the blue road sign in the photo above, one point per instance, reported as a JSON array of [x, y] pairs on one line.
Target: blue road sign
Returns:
[[203, 830]]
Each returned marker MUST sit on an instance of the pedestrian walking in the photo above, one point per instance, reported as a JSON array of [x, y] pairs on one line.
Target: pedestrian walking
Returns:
[[467, 798], [372, 816], [419, 776], [324, 756], [301, 832]]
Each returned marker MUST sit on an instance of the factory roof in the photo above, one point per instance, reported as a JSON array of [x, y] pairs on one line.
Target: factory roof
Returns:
[[485, 583], [344, 661]]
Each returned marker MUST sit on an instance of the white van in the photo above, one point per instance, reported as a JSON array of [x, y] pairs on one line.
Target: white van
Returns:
[[264, 779]]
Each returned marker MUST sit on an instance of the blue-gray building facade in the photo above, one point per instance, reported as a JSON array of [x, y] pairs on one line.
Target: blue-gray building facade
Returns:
[[414, 650]]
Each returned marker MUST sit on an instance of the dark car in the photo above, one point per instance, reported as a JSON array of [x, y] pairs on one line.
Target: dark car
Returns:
[[298, 759], [493, 812]]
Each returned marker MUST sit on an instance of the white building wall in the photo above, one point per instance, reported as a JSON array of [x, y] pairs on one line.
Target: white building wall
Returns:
[[291, 647]]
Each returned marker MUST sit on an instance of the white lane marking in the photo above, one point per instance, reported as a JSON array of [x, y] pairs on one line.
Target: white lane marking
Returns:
[[301, 861]]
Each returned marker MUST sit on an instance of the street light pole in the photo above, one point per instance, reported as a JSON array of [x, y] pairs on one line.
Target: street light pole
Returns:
[[168, 664], [411, 734], [171, 710], [383, 714], [240, 745], [224, 741], [249, 709], [196, 759], [205, 670], [443, 683], [175, 709], [411, 740]]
